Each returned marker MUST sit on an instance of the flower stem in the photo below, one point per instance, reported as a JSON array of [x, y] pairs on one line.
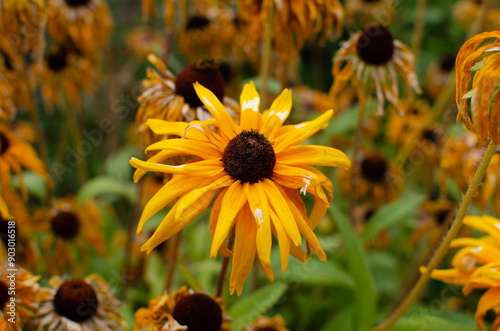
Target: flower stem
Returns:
[[225, 264], [354, 159], [443, 247], [266, 56], [418, 30], [173, 249]]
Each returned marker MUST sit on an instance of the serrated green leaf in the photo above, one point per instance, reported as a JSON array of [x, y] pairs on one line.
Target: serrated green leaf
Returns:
[[429, 323], [106, 185], [391, 214], [258, 303], [364, 291], [190, 279]]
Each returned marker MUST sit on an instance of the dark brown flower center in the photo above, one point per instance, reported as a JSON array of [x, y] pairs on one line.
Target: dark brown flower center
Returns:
[[77, 3], [431, 136], [4, 143], [204, 72], [6, 61], [375, 45], [76, 300], [57, 61], [4, 294], [374, 168], [65, 225], [249, 157], [198, 312], [197, 22], [447, 63]]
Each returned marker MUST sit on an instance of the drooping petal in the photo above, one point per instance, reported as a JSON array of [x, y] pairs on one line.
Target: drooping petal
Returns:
[[233, 201], [278, 203], [259, 207], [249, 100], [166, 128], [244, 250]]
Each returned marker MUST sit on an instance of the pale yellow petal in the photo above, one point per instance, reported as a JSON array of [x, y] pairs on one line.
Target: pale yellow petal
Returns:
[[205, 150], [249, 100], [314, 155], [278, 113]]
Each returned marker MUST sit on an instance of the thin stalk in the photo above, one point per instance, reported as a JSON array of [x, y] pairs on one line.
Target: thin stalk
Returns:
[[354, 159], [418, 29], [173, 249], [443, 247], [266, 56], [225, 264], [74, 127]]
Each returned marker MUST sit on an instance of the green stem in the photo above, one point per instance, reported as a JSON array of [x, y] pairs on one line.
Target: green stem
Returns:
[[418, 30], [443, 248], [225, 264], [266, 56]]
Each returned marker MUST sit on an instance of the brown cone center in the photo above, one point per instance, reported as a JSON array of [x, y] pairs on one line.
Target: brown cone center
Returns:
[[375, 45], [198, 312], [374, 168], [76, 300], [65, 225]]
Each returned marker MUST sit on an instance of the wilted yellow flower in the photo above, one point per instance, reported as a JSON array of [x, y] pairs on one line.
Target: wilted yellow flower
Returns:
[[374, 53], [479, 63], [257, 166]]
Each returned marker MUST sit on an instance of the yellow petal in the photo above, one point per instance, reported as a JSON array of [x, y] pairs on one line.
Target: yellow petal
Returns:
[[300, 132], [452, 276], [157, 158], [205, 168], [489, 300], [244, 250], [259, 207], [191, 200], [283, 240], [214, 216], [233, 201], [205, 150], [217, 110], [314, 155], [166, 128], [278, 113], [285, 216], [176, 187], [249, 100]]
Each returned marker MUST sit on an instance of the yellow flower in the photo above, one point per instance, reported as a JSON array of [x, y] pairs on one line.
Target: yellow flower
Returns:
[[374, 53], [364, 12], [477, 266], [171, 98], [485, 106], [69, 225], [88, 23], [26, 298], [258, 166], [14, 154], [375, 179], [294, 22], [78, 304], [66, 75], [184, 310]]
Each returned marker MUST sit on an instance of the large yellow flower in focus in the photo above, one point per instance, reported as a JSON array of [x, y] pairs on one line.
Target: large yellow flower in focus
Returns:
[[257, 166]]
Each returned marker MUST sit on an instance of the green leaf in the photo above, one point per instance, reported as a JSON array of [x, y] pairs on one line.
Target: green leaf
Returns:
[[106, 185], [117, 165], [190, 279], [34, 183], [316, 272], [364, 292], [478, 66], [429, 323], [391, 214], [468, 94], [341, 321], [258, 303]]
